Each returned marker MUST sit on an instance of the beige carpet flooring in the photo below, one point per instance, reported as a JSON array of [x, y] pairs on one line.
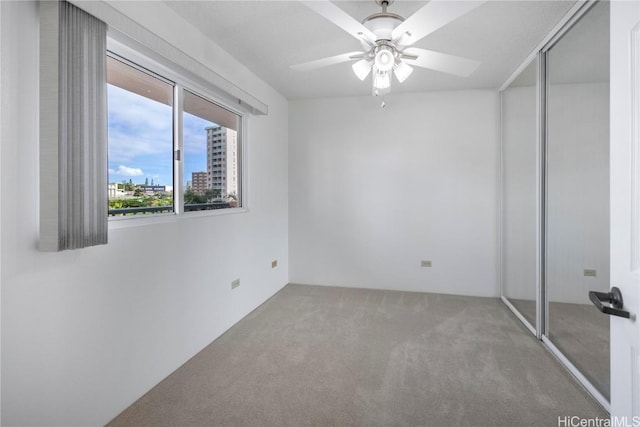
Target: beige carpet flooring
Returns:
[[327, 356]]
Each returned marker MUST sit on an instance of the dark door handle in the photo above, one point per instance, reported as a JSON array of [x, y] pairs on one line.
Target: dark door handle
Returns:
[[614, 298]]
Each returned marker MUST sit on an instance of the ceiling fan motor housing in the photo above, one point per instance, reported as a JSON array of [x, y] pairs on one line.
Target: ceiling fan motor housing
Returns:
[[382, 24]]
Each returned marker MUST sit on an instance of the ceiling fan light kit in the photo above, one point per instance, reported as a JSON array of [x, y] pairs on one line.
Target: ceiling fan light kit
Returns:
[[402, 70], [362, 68], [381, 80], [385, 36], [384, 57]]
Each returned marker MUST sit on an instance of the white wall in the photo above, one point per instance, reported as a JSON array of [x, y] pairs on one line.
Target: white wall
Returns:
[[373, 191], [85, 333]]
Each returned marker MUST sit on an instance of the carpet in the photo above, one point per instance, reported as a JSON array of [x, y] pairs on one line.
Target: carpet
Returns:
[[329, 356]]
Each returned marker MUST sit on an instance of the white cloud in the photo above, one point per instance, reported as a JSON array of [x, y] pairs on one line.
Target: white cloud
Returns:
[[137, 126], [126, 171], [195, 135]]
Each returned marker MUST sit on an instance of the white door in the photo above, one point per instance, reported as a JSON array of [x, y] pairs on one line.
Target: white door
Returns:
[[625, 208]]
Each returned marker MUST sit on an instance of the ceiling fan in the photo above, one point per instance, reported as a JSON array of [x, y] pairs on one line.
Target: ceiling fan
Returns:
[[386, 38]]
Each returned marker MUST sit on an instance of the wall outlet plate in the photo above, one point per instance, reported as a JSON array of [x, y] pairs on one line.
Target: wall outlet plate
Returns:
[[425, 263], [235, 283], [274, 263], [590, 273]]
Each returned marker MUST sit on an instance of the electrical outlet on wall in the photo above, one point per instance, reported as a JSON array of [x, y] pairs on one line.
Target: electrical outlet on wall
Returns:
[[425, 263], [235, 283], [590, 273]]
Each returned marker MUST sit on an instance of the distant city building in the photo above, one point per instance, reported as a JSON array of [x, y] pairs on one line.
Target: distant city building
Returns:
[[222, 160], [199, 182], [152, 188], [114, 191]]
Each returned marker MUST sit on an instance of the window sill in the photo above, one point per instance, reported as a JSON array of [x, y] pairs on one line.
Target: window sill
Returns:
[[117, 223]]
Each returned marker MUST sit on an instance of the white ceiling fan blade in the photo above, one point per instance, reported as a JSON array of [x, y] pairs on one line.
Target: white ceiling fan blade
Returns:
[[341, 18], [429, 18], [324, 62], [443, 62]]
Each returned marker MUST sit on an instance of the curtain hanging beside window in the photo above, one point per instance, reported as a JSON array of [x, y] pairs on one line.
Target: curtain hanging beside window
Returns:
[[73, 128]]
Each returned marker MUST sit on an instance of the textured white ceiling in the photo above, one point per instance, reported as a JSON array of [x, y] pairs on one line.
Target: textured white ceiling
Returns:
[[269, 36]]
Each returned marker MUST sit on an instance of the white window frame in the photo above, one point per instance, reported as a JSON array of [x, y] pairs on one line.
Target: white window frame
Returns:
[[181, 81]]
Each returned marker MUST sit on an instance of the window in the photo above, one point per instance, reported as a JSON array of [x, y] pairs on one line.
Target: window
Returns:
[[146, 152], [140, 128], [210, 128]]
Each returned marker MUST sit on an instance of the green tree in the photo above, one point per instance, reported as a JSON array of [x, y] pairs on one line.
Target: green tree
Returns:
[[132, 203], [191, 198]]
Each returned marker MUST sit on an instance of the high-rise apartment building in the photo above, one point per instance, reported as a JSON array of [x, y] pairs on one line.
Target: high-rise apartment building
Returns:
[[222, 160], [199, 182]]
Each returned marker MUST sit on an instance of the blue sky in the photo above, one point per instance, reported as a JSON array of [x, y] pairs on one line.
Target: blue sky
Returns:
[[140, 140]]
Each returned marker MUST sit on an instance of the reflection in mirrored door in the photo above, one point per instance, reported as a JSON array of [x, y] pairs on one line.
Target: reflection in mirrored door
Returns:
[[519, 189], [577, 194]]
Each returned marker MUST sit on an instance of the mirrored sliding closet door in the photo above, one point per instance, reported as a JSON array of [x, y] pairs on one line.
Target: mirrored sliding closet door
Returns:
[[577, 194], [555, 194], [519, 189]]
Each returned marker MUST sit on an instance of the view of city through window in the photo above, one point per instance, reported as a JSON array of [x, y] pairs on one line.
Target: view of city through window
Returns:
[[140, 153], [210, 154], [141, 147]]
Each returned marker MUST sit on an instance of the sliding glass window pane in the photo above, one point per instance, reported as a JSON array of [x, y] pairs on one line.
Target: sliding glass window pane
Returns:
[[140, 126], [519, 193], [577, 258], [212, 146]]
